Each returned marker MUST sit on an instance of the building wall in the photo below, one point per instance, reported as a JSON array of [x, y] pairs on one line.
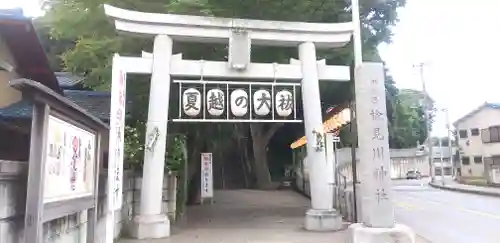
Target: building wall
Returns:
[[16, 147], [472, 146], [72, 228], [402, 161], [8, 95]]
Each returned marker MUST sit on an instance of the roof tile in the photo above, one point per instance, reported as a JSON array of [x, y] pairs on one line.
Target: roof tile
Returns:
[[95, 102]]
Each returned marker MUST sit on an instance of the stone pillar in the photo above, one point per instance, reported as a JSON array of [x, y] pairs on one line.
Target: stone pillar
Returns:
[[322, 216], [151, 223], [378, 224]]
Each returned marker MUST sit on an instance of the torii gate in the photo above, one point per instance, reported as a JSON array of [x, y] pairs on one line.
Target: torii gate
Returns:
[[240, 34]]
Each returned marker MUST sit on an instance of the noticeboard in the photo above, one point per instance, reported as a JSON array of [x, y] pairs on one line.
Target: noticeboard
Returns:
[[64, 159]]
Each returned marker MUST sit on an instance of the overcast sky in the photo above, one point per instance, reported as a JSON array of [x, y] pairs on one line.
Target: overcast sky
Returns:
[[457, 39]]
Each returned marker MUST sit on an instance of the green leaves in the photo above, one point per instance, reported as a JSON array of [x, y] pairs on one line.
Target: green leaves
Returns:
[[408, 123], [134, 148], [91, 57]]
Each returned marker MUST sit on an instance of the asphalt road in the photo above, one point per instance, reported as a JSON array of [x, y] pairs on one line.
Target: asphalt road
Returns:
[[444, 216]]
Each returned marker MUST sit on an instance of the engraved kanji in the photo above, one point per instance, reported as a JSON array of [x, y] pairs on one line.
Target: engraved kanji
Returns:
[[378, 153], [377, 135], [381, 195], [380, 172], [376, 114]]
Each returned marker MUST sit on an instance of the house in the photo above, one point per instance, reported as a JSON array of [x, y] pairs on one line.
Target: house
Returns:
[[22, 56], [444, 153], [479, 141]]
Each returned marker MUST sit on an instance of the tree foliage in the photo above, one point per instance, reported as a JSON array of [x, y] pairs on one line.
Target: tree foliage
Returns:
[[409, 125], [88, 41]]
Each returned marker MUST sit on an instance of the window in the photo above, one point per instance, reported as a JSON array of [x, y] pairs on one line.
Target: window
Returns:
[[485, 135], [463, 133], [465, 160], [491, 134], [478, 160], [494, 135], [474, 132], [488, 160], [495, 160]]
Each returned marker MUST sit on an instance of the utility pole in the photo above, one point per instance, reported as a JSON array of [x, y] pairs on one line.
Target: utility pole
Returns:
[[356, 35], [441, 159], [450, 147], [358, 60], [427, 119]]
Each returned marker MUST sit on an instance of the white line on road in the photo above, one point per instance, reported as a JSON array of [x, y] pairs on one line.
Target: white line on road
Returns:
[[480, 213]]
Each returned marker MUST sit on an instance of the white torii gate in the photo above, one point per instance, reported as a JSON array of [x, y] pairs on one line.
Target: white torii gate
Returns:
[[240, 34]]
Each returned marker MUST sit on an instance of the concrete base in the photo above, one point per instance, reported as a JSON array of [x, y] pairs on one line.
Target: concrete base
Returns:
[[323, 220], [359, 233], [150, 227]]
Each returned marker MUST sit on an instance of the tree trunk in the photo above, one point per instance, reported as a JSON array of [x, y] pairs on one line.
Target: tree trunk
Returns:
[[241, 138], [260, 140], [241, 155], [261, 167], [194, 166]]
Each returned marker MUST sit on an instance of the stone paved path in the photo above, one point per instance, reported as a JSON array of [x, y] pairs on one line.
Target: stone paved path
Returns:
[[249, 216]]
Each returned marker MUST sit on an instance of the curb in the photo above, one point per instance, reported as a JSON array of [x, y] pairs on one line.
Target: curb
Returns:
[[483, 193]]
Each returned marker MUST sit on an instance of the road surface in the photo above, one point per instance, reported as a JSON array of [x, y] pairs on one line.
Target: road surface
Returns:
[[445, 216]]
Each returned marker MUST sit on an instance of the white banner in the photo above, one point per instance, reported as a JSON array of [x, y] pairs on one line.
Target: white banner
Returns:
[[70, 160], [116, 135], [207, 188]]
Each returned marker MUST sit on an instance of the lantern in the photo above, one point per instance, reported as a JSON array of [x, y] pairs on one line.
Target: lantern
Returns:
[[215, 102], [239, 102], [284, 103], [191, 102], [262, 102]]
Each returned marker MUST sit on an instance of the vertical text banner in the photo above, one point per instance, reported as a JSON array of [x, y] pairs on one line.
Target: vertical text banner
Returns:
[[116, 134], [207, 189], [373, 137]]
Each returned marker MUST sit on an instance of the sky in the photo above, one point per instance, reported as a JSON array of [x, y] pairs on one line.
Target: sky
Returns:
[[458, 40]]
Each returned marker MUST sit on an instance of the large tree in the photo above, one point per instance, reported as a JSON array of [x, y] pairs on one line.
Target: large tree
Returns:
[[409, 125], [90, 40]]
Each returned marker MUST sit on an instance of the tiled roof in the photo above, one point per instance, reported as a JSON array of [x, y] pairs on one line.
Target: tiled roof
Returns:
[[67, 79], [494, 105], [18, 110], [95, 102]]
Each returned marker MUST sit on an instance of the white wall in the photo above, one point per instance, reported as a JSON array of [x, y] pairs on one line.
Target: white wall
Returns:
[[402, 160]]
